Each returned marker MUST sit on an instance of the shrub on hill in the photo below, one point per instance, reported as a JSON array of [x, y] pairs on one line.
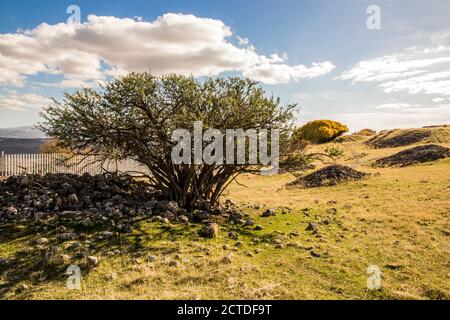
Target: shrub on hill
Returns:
[[320, 131]]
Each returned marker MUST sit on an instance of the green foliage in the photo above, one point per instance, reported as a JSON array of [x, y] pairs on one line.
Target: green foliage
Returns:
[[334, 152], [320, 131]]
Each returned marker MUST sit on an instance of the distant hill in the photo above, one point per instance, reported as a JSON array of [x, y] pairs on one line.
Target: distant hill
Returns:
[[12, 145], [28, 132]]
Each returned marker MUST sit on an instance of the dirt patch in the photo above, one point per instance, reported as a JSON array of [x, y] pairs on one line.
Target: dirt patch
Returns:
[[420, 154], [328, 176]]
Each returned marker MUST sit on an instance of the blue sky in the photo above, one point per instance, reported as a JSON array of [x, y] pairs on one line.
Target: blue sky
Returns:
[[319, 54]]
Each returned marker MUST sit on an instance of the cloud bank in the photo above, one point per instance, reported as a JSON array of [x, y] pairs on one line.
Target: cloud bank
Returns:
[[105, 46], [414, 71]]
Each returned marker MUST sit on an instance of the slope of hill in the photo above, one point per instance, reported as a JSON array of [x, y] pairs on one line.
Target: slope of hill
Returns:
[[27, 132], [404, 137]]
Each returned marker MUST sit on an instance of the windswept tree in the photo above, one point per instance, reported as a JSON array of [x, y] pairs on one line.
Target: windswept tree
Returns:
[[135, 116]]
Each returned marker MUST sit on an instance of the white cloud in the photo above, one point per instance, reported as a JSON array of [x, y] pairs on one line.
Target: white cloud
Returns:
[[415, 71], [108, 46], [17, 102], [438, 100], [242, 41], [281, 73], [395, 106]]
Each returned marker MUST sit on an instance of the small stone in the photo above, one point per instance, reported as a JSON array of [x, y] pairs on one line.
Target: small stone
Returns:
[[314, 254], [210, 230], [106, 234], [174, 263], [238, 244], [258, 251], [111, 276], [165, 220], [152, 258], [74, 245], [92, 261], [42, 241], [258, 227], [65, 258], [312, 227], [225, 247], [11, 211], [172, 206], [73, 198], [156, 218], [249, 222], [278, 246], [226, 259], [268, 213], [4, 262], [248, 253], [394, 266], [67, 236], [183, 219], [233, 235]]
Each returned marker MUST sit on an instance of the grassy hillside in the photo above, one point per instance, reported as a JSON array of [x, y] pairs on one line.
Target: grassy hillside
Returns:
[[398, 219]]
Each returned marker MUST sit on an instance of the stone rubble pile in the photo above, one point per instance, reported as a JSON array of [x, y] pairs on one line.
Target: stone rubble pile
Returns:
[[85, 201]]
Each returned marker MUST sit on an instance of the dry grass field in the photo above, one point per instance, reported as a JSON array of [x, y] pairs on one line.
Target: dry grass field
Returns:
[[397, 219]]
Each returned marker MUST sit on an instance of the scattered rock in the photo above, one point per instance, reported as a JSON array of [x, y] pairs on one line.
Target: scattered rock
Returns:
[[210, 230], [226, 259], [258, 227], [314, 254], [4, 262], [152, 258], [312, 227], [111, 276], [393, 266], [92, 261], [174, 263], [249, 222], [183, 219], [67, 236], [42, 241], [248, 253], [268, 213], [294, 234], [233, 235], [73, 198], [11, 211]]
